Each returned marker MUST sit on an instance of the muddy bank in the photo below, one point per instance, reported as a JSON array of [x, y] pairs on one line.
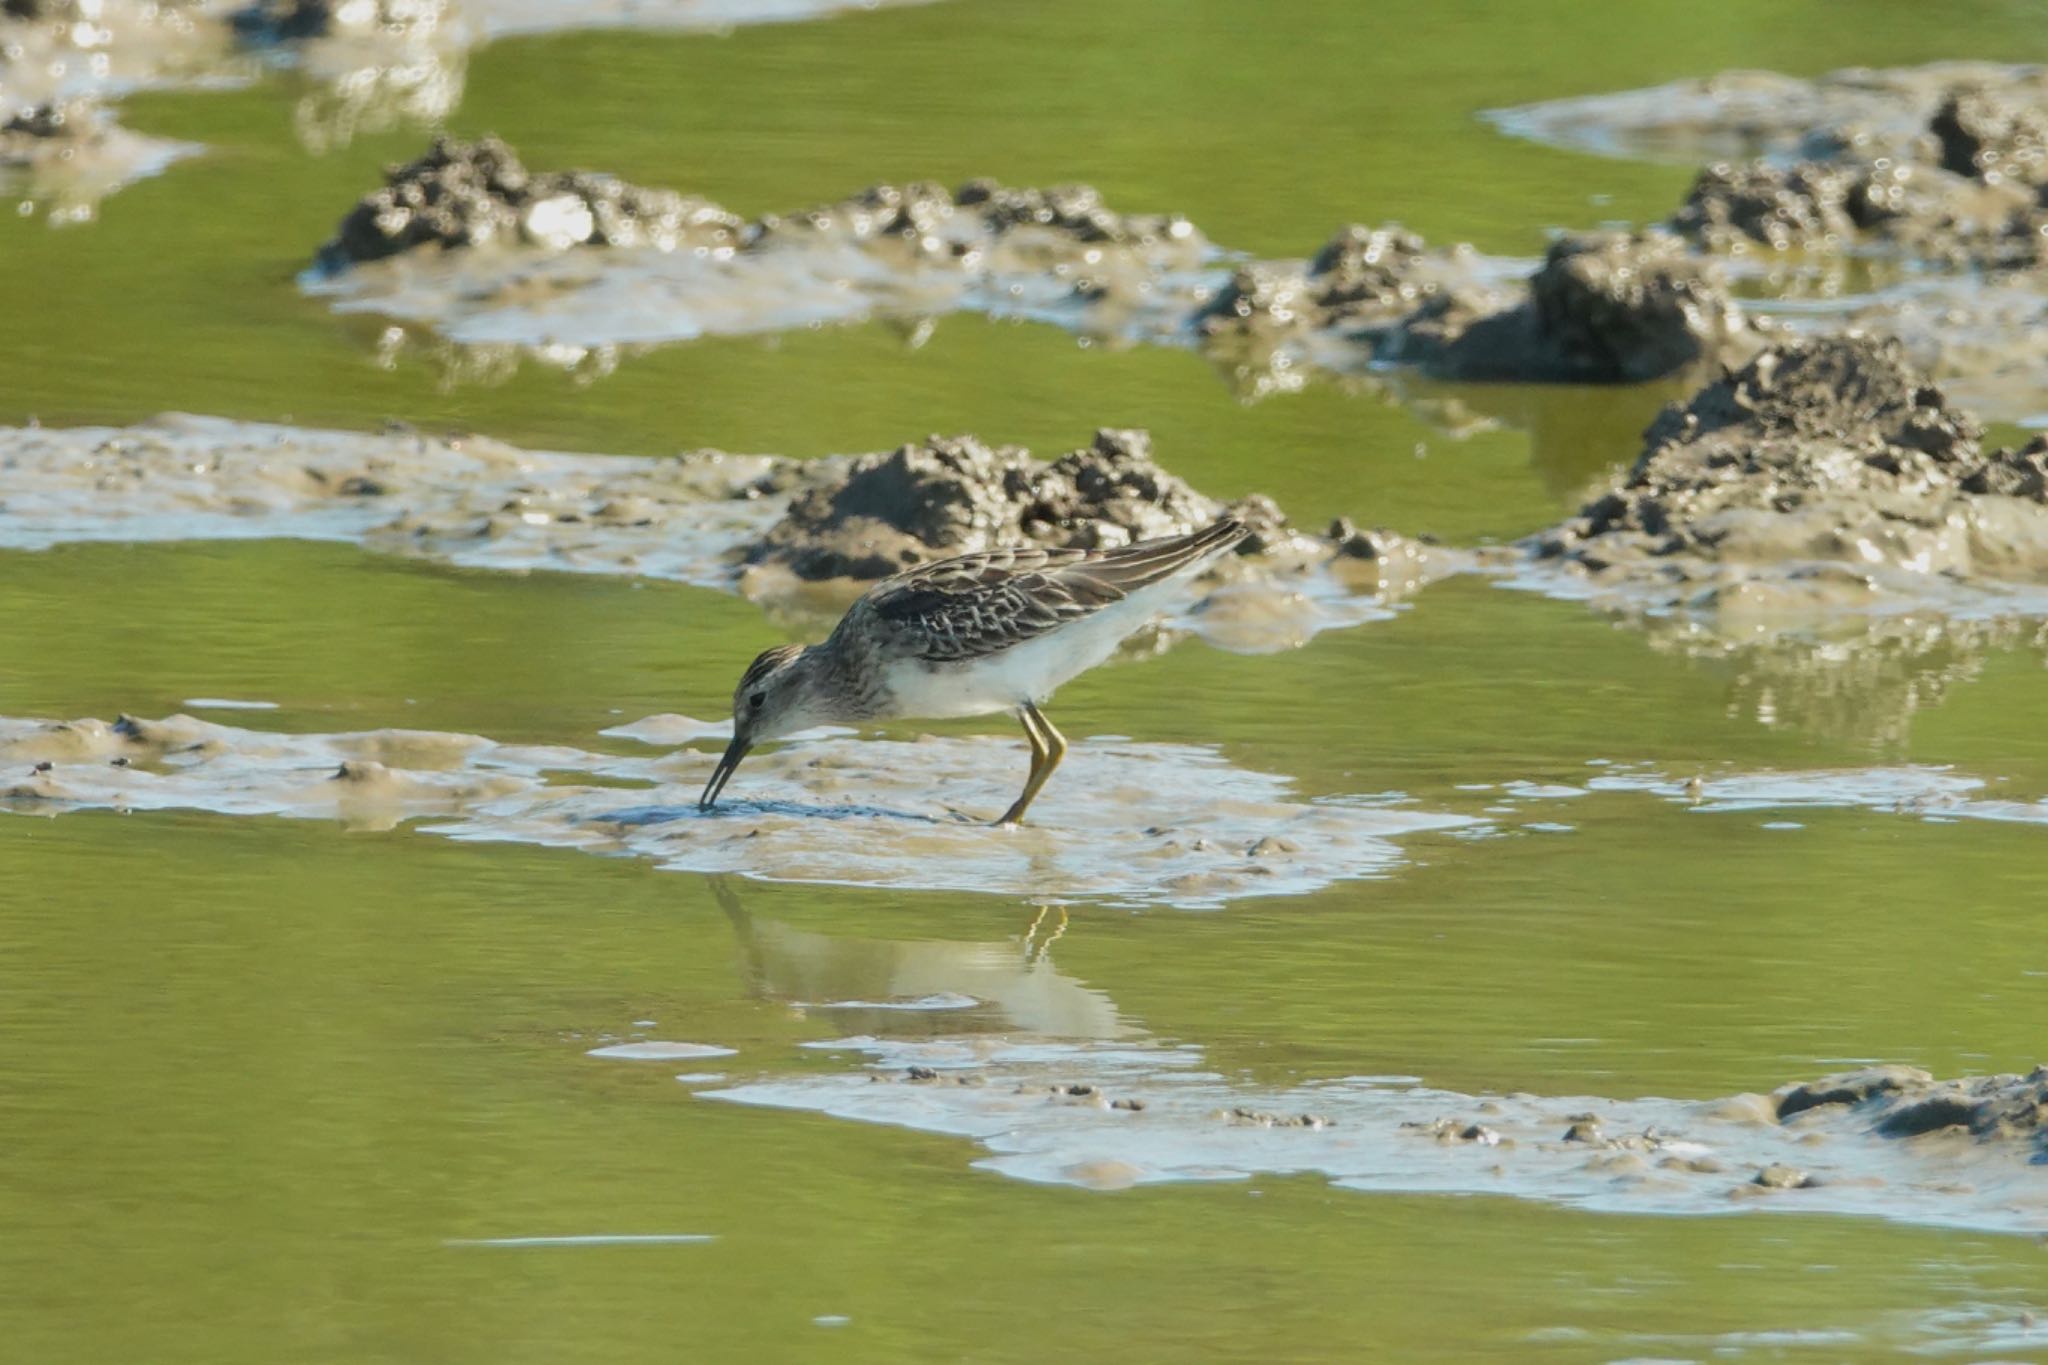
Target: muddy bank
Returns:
[[1830, 470], [889, 813], [62, 150], [761, 525], [1888, 1143], [503, 18]]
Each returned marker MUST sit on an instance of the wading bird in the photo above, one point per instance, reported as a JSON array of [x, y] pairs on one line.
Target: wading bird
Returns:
[[969, 636]]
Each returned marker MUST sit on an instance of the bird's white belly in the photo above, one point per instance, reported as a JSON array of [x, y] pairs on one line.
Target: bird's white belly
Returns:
[[1030, 671]]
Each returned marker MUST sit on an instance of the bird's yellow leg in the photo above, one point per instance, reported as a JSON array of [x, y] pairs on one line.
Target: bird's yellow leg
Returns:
[[1048, 747], [1038, 755]]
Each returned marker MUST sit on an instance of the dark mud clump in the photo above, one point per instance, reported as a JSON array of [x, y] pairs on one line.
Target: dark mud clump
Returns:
[[1988, 136], [1075, 211], [1604, 308], [463, 194], [1905, 1102], [955, 495], [1731, 206], [1831, 451], [54, 121], [1364, 276]]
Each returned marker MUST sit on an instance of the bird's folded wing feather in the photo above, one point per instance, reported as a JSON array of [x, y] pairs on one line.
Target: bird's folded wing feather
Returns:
[[980, 604]]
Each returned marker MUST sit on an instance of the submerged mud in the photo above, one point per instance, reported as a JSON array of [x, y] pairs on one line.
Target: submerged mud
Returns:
[[756, 524], [910, 815], [1888, 1143], [1827, 469]]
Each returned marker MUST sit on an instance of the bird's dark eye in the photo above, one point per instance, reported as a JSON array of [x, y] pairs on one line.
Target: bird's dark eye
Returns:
[[756, 699]]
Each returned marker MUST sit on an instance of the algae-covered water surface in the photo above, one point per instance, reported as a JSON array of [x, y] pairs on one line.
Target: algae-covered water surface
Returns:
[[1424, 952]]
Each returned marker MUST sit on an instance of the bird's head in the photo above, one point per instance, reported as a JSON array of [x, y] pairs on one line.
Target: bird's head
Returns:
[[773, 699]]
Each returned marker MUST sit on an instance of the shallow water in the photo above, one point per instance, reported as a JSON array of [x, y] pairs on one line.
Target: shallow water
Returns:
[[323, 1089]]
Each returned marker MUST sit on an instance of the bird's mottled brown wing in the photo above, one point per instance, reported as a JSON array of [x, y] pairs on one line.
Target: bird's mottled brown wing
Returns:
[[979, 604]]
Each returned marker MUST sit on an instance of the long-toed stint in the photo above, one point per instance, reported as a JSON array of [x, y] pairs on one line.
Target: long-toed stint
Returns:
[[970, 636]]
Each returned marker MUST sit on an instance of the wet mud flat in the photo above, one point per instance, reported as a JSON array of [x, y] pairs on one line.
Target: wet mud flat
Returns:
[[903, 814], [801, 533], [1827, 480], [908, 814], [1887, 1142]]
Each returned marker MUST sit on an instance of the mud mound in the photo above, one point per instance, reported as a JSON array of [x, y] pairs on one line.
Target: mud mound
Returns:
[[1362, 277], [912, 251], [1733, 205], [1905, 1102], [1601, 308], [1832, 452], [955, 495], [1604, 308], [468, 194], [1111, 1115]]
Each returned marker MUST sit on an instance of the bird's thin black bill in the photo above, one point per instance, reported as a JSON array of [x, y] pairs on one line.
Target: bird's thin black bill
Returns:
[[722, 774]]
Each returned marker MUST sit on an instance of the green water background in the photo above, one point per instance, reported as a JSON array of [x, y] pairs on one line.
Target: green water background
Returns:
[[257, 1074]]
